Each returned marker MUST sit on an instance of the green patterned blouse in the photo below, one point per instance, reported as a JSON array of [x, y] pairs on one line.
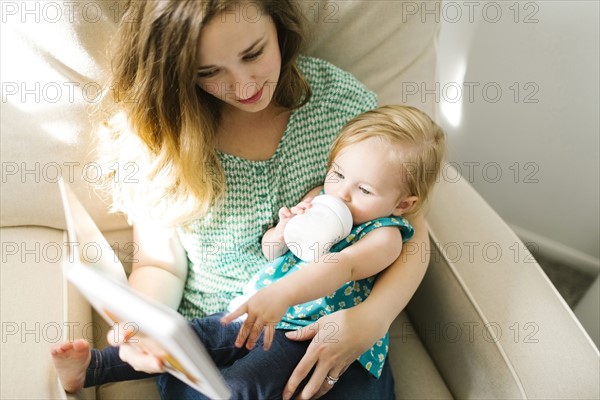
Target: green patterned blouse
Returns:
[[224, 247]]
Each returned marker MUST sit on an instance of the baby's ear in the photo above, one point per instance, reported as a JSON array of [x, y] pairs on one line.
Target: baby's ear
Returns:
[[405, 205]]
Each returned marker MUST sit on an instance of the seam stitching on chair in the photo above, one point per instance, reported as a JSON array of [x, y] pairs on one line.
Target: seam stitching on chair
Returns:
[[483, 317]]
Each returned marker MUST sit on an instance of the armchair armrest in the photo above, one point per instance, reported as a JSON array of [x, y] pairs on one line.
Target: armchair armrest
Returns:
[[491, 320], [32, 311]]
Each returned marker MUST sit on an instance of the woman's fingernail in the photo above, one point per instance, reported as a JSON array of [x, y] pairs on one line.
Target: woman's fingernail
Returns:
[[287, 395]]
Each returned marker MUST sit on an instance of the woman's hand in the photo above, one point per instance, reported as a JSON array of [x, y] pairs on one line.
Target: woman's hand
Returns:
[[142, 353], [338, 340]]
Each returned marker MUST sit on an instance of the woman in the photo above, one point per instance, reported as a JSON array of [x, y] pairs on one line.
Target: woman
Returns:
[[227, 124]]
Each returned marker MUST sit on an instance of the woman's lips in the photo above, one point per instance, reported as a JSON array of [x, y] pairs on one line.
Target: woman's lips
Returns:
[[253, 99]]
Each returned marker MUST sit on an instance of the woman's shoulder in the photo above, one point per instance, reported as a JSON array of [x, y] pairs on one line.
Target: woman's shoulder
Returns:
[[333, 87]]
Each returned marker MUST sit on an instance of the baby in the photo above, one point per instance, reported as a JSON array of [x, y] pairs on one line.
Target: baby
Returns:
[[383, 166]]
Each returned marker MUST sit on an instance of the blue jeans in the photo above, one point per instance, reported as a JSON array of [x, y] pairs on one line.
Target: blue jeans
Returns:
[[355, 384], [106, 366], [251, 375]]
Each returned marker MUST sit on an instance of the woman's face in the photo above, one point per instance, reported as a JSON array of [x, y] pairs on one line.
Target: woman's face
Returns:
[[239, 61]]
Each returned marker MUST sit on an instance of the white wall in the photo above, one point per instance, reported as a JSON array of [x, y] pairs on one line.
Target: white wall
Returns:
[[524, 128]]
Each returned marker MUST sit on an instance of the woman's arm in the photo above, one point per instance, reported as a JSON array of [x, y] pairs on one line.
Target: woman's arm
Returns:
[[159, 271], [160, 264], [361, 326], [396, 284]]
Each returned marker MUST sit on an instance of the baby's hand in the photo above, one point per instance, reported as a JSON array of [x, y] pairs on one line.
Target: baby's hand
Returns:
[[265, 309], [285, 214], [301, 207]]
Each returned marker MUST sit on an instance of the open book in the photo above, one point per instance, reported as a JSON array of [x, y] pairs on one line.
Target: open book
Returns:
[[103, 283]]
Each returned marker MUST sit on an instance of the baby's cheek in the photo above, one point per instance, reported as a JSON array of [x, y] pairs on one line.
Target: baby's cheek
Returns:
[[358, 216], [367, 212]]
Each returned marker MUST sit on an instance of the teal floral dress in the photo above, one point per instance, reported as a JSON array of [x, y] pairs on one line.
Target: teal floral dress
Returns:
[[349, 295]]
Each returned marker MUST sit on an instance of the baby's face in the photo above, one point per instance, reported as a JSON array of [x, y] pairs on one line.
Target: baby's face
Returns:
[[366, 176]]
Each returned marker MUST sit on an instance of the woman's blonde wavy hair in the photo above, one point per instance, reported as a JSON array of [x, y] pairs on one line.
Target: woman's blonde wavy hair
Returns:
[[161, 129], [420, 145]]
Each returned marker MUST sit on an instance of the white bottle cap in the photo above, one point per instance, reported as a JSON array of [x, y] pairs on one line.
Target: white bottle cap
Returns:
[[340, 208], [311, 234]]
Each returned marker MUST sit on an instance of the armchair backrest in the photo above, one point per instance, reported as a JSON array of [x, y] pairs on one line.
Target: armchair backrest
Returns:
[[55, 60]]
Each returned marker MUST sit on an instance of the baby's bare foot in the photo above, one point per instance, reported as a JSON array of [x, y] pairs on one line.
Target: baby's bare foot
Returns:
[[71, 360]]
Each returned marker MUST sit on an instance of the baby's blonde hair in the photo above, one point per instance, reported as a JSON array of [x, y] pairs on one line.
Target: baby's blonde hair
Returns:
[[420, 142]]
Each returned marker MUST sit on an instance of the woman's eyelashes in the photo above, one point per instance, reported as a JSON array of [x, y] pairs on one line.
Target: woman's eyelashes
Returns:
[[254, 56], [247, 58], [206, 74]]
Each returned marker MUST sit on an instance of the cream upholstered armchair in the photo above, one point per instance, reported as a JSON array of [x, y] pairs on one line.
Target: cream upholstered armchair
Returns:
[[482, 324]]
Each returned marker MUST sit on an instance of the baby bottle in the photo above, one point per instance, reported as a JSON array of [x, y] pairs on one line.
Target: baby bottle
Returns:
[[311, 234]]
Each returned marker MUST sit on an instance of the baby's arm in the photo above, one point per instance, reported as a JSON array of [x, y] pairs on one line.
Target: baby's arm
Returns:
[[369, 256], [273, 244]]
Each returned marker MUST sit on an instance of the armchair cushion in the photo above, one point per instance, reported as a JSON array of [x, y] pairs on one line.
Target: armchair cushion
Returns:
[[487, 313]]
